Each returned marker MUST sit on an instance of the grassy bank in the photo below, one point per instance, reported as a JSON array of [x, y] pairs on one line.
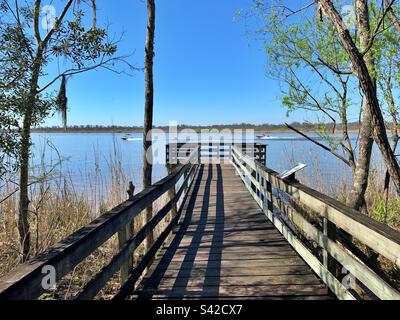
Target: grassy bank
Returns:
[[59, 207]]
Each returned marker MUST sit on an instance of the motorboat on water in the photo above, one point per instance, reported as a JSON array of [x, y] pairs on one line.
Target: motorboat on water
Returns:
[[263, 137], [128, 137]]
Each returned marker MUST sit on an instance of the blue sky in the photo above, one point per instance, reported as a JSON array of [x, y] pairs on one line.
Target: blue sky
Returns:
[[207, 69]]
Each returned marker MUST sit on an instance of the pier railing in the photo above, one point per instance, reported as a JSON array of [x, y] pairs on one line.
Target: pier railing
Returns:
[[25, 282], [322, 230], [317, 227], [214, 151]]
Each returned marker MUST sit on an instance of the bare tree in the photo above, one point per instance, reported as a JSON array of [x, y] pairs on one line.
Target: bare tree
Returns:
[[148, 112], [367, 84], [356, 198]]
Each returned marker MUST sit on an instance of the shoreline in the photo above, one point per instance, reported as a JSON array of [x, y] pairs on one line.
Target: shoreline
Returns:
[[61, 131]]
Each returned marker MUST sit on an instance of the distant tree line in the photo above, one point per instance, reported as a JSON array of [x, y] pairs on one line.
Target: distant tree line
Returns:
[[303, 126]]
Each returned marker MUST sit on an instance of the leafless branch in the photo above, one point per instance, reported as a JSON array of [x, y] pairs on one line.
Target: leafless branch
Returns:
[[104, 63], [319, 144]]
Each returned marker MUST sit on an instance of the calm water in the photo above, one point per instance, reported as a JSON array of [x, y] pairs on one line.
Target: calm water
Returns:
[[89, 155]]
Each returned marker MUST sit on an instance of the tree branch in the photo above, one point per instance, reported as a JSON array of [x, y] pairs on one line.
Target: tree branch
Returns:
[[378, 25], [58, 23], [36, 22], [102, 64], [320, 145]]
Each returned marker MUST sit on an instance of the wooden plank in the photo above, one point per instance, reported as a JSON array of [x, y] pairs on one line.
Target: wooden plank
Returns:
[[233, 271], [198, 281], [369, 278], [25, 281], [225, 247], [377, 236], [254, 245], [210, 256], [239, 291], [230, 263], [100, 279], [237, 250], [374, 234]]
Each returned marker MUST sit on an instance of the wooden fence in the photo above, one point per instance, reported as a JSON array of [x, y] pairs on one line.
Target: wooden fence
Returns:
[[25, 282], [321, 229], [297, 211], [176, 152]]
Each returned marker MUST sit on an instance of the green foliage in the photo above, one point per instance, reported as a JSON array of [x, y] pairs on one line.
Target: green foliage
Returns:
[[80, 45], [306, 56], [20, 94], [298, 48]]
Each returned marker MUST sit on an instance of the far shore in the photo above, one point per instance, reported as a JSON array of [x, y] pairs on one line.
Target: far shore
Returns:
[[140, 131]]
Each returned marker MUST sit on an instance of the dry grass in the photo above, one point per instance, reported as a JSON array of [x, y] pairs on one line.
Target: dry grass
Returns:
[[58, 208]]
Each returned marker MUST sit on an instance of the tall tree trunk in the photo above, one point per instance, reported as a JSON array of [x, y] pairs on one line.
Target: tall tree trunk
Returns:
[[356, 197], [367, 86], [23, 218], [395, 133], [148, 113]]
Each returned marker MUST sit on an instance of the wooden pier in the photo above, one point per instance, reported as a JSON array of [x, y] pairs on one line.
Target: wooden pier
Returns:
[[225, 247], [231, 229]]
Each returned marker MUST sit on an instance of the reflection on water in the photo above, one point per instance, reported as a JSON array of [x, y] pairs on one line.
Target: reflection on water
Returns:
[[93, 156]]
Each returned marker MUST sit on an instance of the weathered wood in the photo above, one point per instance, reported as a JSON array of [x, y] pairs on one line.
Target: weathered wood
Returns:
[[334, 285], [221, 244], [232, 241], [171, 195], [24, 283], [214, 150], [374, 234], [125, 234], [128, 287], [242, 291], [234, 271], [333, 214], [197, 281], [364, 274], [98, 282]]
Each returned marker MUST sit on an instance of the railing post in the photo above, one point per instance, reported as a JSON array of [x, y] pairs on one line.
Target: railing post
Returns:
[[329, 230], [258, 179], [268, 195], [199, 153], [171, 195], [123, 236]]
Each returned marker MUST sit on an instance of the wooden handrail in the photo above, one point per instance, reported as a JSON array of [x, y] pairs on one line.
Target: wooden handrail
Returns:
[[25, 282], [260, 182], [214, 150], [98, 282]]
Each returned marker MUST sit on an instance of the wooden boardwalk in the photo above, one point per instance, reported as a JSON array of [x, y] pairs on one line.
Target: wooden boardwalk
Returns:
[[225, 247], [230, 239]]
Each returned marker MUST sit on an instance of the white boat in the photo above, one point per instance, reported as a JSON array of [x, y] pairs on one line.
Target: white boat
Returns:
[[265, 137], [130, 139]]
